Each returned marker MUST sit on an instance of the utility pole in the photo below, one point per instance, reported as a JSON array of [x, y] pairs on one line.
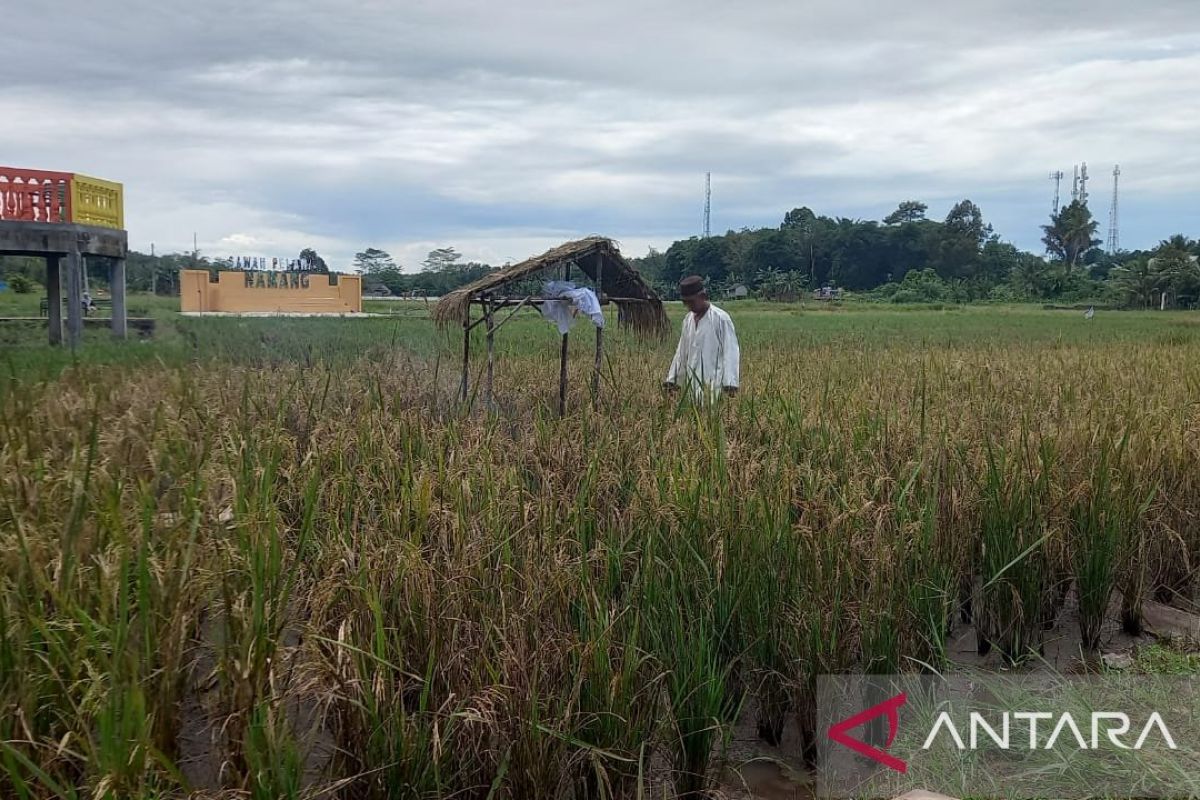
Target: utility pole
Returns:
[[707, 204]]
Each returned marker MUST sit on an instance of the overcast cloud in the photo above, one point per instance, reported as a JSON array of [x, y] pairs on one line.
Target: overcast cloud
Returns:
[[502, 128]]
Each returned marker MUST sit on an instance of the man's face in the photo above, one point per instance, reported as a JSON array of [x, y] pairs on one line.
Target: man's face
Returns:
[[696, 303]]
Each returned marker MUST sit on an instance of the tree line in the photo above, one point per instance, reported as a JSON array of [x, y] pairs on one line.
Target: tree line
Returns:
[[907, 257], [442, 271], [158, 274]]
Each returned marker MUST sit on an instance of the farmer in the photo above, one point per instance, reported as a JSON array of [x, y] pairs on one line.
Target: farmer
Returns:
[[707, 358]]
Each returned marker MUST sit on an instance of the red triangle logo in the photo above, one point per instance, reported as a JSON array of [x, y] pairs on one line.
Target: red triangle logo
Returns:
[[891, 706]]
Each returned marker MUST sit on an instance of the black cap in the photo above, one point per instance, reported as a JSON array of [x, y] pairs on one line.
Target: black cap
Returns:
[[691, 285]]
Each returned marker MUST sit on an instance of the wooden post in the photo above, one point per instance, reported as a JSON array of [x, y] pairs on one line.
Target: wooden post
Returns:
[[562, 359], [562, 378], [117, 289], [74, 281], [54, 297], [466, 349], [491, 355], [599, 332]]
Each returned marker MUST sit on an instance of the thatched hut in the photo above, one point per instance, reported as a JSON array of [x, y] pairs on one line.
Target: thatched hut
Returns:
[[613, 278]]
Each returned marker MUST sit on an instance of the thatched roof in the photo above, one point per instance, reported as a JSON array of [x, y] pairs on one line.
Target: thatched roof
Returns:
[[641, 308]]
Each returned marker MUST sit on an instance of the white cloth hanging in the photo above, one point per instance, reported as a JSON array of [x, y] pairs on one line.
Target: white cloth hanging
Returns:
[[568, 300]]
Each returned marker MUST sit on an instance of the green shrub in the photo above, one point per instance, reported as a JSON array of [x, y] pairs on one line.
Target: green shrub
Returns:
[[921, 286], [20, 284], [1006, 293]]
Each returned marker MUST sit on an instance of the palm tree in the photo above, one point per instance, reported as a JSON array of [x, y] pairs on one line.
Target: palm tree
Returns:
[[1178, 242], [796, 282], [1137, 281], [770, 284], [1071, 233], [1176, 268], [1030, 276]]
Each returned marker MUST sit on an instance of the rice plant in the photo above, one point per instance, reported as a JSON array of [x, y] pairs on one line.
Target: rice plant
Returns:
[[1013, 568], [279, 560]]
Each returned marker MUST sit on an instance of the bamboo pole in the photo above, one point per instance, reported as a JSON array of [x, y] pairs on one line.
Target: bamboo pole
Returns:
[[466, 351], [511, 314], [599, 333], [562, 378], [501, 302], [562, 360], [491, 355]]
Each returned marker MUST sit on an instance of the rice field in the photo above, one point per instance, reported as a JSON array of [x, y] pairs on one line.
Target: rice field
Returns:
[[278, 558]]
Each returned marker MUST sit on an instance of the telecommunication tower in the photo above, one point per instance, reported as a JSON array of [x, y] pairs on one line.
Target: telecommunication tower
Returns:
[[707, 204], [1075, 185], [1083, 179], [1057, 177], [1114, 233]]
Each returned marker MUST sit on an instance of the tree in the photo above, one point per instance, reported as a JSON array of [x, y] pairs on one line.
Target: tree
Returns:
[[959, 240], [1176, 268], [157, 273], [812, 237], [997, 261], [858, 255], [21, 284], [1030, 277], [443, 259], [908, 211], [966, 220], [739, 247], [780, 286], [800, 219], [28, 267], [652, 266], [773, 250], [1071, 233], [372, 260], [678, 261], [921, 286], [711, 259], [315, 262], [1135, 282]]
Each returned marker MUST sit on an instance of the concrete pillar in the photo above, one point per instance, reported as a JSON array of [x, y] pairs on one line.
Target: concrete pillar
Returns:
[[74, 281], [54, 298], [117, 287]]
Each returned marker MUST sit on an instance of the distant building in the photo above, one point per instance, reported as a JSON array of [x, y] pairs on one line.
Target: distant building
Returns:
[[737, 292]]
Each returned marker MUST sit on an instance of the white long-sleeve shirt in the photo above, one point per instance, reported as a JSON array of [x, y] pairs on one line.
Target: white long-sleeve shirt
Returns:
[[707, 358]]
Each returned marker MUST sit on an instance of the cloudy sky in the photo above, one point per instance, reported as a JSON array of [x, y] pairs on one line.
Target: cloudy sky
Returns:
[[501, 128]]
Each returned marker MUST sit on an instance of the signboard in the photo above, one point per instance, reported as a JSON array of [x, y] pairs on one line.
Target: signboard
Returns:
[[264, 263], [263, 279], [269, 291]]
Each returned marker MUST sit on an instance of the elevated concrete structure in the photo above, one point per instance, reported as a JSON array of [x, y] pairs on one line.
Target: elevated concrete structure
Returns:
[[62, 243]]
